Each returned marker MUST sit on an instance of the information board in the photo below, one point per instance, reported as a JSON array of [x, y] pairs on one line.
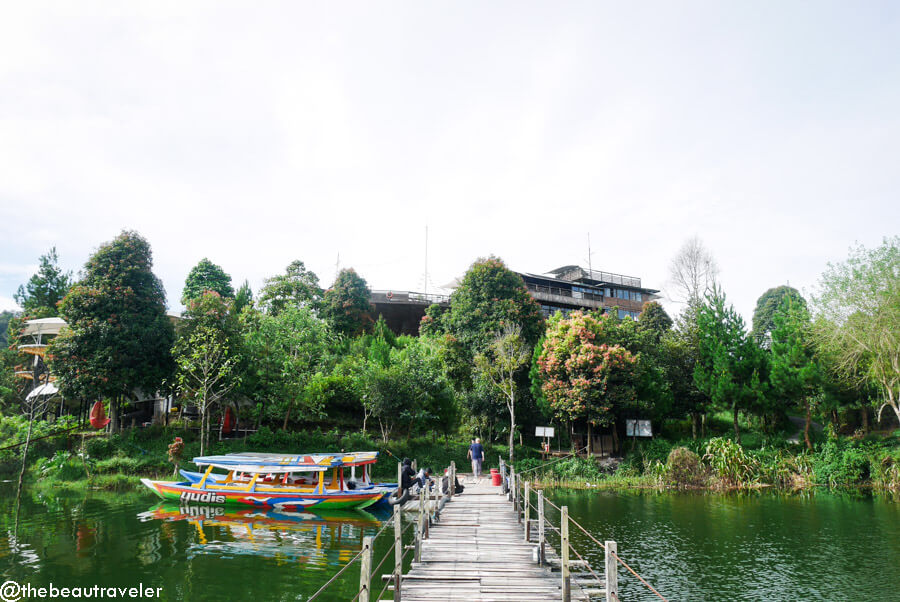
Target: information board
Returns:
[[543, 431], [638, 428]]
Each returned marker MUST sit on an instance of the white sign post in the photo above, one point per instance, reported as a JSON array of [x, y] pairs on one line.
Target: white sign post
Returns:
[[546, 432]]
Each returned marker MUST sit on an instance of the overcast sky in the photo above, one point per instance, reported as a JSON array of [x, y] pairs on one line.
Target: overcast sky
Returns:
[[258, 133]]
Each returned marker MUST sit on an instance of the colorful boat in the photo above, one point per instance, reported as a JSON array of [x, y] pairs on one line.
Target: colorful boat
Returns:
[[277, 481]]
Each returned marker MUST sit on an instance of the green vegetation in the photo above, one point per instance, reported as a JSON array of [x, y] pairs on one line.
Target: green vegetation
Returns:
[[300, 368]]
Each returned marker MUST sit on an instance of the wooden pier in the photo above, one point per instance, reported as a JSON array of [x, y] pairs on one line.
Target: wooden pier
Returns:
[[478, 552]]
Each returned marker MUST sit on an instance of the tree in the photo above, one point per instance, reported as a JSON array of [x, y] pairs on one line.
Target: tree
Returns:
[[795, 372], [40, 296], [507, 354], [766, 307], [346, 304], [297, 287], [655, 320], [286, 350], [858, 308], [586, 373], [119, 338], [692, 273], [205, 353], [242, 298], [679, 355], [730, 368], [489, 298], [206, 276]]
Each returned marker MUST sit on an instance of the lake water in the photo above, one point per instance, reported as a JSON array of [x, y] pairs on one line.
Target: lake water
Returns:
[[758, 546]]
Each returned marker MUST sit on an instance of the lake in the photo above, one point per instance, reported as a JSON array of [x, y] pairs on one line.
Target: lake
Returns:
[[751, 546]]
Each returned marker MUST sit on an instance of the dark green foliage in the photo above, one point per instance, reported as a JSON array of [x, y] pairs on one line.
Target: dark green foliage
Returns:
[[489, 298], [731, 369], [5, 318], [767, 306], [432, 323], [41, 295], [654, 320], [242, 298], [297, 287], [119, 337], [206, 276], [841, 462], [346, 304]]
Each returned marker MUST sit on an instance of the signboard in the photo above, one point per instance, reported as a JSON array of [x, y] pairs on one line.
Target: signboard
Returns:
[[543, 431], [638, 428]]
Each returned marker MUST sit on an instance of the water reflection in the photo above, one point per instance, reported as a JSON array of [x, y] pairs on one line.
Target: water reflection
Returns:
[[303, 537]]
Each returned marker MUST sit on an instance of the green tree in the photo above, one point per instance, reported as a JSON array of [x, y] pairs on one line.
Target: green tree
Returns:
[[297, 287], [654, 320], [286, 350], [206, 276], [731, 368], [242, 298], [795, 372], [206, 355], [119, 337], [489, 298], [40, 296], [766, 307], [346, 304], [500, 365], [858, 323]]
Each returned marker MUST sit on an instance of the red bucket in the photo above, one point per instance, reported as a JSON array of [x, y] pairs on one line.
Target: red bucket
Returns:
[[496, 479]]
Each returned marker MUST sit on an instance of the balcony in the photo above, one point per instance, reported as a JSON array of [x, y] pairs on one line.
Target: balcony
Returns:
[[563, 296]]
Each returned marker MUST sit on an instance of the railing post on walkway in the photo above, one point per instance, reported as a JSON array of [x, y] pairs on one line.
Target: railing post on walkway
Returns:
[[399, 479], [612, 577], [420, 534], [564, 555], [542, 557], [527, 511], [398, 551], [511, 495], [365, 570], [452, 483]]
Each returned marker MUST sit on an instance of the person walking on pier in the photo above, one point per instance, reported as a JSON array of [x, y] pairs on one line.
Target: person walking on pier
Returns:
[[476, 452]]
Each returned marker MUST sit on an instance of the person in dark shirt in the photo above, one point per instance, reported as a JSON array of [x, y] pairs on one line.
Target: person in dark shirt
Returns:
[[476, 452], [407, 474]]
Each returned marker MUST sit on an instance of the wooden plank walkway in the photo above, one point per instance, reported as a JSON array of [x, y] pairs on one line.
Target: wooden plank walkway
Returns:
[[477, 552]]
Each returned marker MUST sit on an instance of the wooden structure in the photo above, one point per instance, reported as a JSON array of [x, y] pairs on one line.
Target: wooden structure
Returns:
[[479, 551], [488, 544]]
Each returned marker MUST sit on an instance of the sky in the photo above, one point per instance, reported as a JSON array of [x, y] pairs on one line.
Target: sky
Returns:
[[258, 133]]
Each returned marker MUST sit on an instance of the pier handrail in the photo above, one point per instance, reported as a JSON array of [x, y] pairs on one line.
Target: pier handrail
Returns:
[[525, 486], [428, 512]]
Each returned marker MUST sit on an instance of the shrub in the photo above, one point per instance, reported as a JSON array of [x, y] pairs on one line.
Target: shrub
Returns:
[[683, 468], [730, 462]]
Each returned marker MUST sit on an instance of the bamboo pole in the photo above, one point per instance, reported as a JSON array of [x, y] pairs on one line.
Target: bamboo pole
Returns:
[[564, 555], [365, 569], [612, 576]]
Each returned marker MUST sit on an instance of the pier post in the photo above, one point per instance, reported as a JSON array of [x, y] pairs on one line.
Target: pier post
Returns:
[[452, 478], [365, 570], [564, 555], [398, 551], [399, 479], [542, 557], [527, 511], [612, 576]]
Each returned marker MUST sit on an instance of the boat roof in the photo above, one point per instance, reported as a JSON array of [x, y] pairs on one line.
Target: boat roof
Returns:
[[267, 462]]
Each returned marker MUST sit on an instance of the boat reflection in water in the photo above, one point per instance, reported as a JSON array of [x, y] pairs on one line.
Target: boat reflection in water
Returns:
[[305, 537]]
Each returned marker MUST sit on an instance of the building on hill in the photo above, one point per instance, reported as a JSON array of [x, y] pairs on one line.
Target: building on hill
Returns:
[[570, 288], [567, 288]]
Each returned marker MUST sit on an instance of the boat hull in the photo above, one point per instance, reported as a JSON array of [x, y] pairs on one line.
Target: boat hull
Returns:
[[185, 492]]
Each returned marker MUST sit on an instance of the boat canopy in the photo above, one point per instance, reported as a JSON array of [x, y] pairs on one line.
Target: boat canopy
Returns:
[[263, 462]]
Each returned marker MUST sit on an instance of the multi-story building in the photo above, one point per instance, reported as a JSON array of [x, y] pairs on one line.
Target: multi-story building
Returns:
[[564, 289], [570, 287]]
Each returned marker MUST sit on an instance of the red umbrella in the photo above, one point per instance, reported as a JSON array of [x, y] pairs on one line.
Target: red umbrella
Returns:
[[98, 416]]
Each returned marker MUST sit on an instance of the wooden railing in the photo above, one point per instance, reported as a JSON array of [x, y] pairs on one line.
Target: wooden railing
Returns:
[[520, 491], [432, 498]]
